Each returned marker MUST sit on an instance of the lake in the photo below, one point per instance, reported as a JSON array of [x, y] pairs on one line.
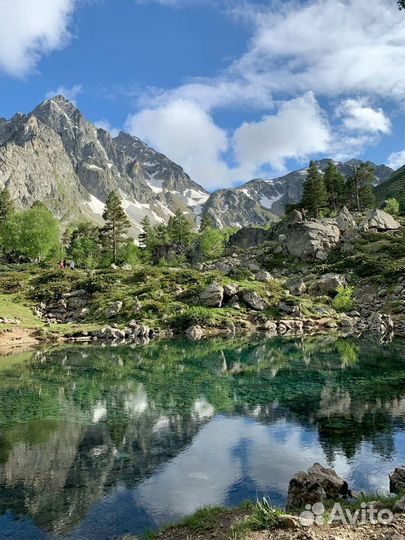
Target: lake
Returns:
[[97, 442]]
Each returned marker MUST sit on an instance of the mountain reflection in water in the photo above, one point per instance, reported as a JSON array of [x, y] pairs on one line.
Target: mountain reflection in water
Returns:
[[97, 442]]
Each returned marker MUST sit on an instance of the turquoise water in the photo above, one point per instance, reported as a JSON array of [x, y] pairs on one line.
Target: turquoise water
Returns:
[[97, 442]]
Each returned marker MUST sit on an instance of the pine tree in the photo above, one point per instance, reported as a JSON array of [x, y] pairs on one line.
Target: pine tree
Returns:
[[6, 205], [113, 234], [314, 196], [144, 237], [207, 222], [179, 229], [360, 186], [335, 186]]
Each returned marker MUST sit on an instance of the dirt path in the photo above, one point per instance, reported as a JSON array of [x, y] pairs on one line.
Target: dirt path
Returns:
[[15, 340]]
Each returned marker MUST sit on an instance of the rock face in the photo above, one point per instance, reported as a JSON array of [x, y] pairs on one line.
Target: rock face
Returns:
[[315, 485], [258, 201], [55, 155], [397, 480], [382, 221], [212, 296]]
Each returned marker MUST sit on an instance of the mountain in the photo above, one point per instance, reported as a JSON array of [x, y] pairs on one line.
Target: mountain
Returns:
[[55, 155], [394, 186], [259, 201]]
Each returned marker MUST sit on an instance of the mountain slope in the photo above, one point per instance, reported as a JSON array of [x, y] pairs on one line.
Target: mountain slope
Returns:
[[259, 201], [394, 186], [55, 155]]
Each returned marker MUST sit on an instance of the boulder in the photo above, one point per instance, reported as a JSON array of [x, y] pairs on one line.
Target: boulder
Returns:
[[397, 480], [254, 301], [315, 485], [290, 307], [345, 221], [247, 237], [382, 221], [231, 289], [328, 283], [295, 285], [263, 276], [212, 295], [114, 308], [269, 326], [399, 506], [126, 266], [311, 239], [194, 332]]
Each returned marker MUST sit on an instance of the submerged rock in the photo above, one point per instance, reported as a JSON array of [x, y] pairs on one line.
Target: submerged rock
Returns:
[[194, 332]]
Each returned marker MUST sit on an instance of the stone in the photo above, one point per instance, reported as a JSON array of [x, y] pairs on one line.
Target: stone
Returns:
[[312, 240], [397, 480], [194, 332], [114, 308], [269, 326], [126, 266], [290, 307], [212, 295], [328, 283], [72, 294], [399, 506], [247, 237], [254, 300], [382, 221], [292, 325], [263, 276], [287, 521], [295, 285], [231, 289], [345, 221], [380, 322], [315, 485]]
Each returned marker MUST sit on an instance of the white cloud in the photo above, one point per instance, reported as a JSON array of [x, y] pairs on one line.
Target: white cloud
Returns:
[[357, 115], [30, 29], [105, 124], [188, 135], [396, 159], [69, 93], [298, 129]]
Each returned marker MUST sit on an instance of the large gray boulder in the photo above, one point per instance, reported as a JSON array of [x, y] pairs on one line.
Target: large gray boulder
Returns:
[[248, 237], [311, 239], [295, 285], [212, 295], [345, 221], [328, 283], [397, 480], [315, 485], [254, 301], [382, 221]]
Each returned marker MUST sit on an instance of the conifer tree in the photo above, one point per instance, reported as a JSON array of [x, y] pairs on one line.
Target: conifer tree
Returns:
[[360, 186], [144, 237], [335, 186], [207, 222], [314, 196], [113, 234], [6, 205], [179, 229]]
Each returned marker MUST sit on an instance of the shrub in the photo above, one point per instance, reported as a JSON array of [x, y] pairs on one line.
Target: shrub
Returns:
[[343, 301], [392, 206]]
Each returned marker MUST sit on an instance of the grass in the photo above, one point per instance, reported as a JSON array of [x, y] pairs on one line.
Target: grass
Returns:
[[11, 306]]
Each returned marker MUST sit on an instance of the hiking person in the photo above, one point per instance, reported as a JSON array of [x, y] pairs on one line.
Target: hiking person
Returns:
[[72, 265], [62, 265]]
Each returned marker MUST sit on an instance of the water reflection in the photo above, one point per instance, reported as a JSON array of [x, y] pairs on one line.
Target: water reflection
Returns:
[[99, 442]]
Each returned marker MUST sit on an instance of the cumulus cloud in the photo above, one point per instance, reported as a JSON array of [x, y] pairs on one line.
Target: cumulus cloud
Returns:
[[31, 29], [396, 159], [357, 115], [69, 93], [298, 129], [188, 135]]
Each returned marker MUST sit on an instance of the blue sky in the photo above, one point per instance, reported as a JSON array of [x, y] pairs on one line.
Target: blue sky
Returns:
[[230, 89]]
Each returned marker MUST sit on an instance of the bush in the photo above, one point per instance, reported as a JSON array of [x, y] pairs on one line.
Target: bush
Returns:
[[392, 206], [343, 301]]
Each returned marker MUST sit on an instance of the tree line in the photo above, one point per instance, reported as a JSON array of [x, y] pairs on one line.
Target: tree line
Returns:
[[36, 235], [325, 193]]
